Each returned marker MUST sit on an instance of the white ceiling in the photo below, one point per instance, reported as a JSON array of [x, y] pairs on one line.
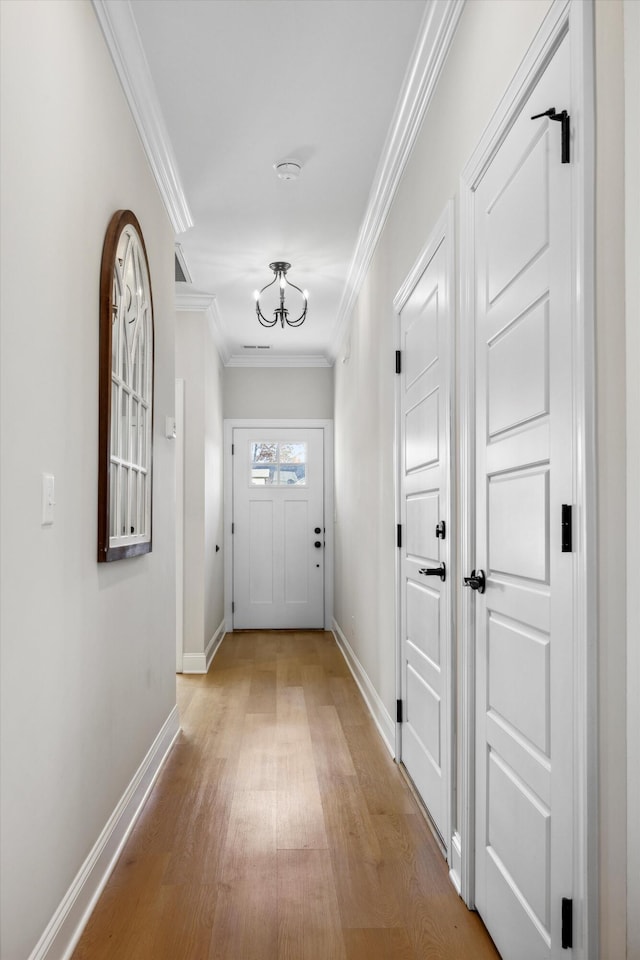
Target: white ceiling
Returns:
[[242, 84]]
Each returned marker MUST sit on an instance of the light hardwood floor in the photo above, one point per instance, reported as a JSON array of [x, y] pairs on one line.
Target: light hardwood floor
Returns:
[[280, 828]]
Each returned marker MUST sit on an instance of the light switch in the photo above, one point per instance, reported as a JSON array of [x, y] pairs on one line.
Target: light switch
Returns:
[[48, 498], [170, 428]]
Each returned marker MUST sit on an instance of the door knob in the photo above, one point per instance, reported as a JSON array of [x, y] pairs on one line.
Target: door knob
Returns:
[[477, 581], [440, 571], [317, 544]]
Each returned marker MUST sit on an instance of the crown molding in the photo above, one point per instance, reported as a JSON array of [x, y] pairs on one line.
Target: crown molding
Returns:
[[123, 41], [434, 40], [207, 304]]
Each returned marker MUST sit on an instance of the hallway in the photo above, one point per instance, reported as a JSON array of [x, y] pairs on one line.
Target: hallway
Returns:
[[280, 828]]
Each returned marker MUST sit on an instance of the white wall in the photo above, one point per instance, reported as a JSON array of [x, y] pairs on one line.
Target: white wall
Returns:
[[491, 40], [87, 650], [278, 392], [198, 363], [632, 208]]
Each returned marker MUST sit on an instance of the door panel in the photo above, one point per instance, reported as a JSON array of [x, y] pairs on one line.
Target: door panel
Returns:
[[518, 371], [259, 562], [523, 474], [425, 329], [278, 502], [297, 529], [513, 244], [421, 433]]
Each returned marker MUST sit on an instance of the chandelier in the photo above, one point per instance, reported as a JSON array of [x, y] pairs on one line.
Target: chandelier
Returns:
[[281, 313]]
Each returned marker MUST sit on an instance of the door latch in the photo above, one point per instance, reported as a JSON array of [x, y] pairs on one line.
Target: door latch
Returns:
[[441, 529], [477, 581], [563, 118]]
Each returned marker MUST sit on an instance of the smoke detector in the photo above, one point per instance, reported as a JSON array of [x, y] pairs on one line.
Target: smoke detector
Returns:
[[288, 169]]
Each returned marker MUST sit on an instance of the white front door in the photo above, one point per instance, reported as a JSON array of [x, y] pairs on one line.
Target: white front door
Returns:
[[524, 459], [425, 333], [278, 528]]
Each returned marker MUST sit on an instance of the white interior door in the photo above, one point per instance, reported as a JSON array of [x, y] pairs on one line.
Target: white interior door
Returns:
[[278, 524], [425, 332], [524, 461]]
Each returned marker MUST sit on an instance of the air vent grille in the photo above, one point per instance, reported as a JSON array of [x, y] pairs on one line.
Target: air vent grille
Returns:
[[181, 269], [180, 277]]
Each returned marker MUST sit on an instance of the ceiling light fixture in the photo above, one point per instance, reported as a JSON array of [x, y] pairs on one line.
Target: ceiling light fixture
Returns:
[[280, 313]]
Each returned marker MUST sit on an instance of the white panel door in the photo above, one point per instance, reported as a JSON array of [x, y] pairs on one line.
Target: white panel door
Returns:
[[524, 457], [425, 330], [278, 523]]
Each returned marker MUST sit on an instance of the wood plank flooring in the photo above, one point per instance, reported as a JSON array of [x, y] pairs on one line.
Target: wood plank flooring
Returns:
[[280, 828]]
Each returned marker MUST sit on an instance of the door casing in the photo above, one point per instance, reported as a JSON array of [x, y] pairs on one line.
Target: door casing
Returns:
[[575, 18], [278, 424], [179, 476]]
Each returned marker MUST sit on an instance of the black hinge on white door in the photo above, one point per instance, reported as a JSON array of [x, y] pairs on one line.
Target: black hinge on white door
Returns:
[[233, 606], [567, 528], [399, 711], [399, 535], [567, 923], [233, 528], [398, 361]]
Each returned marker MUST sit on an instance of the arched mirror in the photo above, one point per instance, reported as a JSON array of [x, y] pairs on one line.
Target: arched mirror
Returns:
[[126, 393]]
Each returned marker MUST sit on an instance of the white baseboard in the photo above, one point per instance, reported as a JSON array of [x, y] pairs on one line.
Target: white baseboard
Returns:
[[455, 873], [377, 709], [200, 662], [65, 927]]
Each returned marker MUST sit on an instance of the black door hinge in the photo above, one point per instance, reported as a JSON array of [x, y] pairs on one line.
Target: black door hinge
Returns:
[[233, 449], [567, 528], [399, 711], [398, 362], [399, 535], [233, 528], [233, 606], [567, 923]]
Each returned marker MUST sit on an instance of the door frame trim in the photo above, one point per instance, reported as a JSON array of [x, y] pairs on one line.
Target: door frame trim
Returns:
[[442, 233], [575, 19], [279, 424], [179, 480]]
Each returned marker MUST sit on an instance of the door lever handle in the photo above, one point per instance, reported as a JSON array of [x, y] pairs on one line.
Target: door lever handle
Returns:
[[477, 581], [563, 118], [440, 571]]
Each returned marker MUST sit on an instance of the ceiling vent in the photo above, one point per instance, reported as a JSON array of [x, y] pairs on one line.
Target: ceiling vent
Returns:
[[182, 271], [253, 346]]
